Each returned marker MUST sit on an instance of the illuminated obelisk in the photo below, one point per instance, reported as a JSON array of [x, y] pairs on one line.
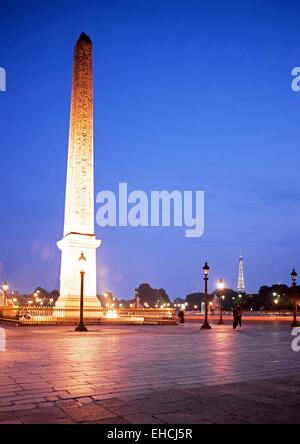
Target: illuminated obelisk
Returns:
[[79, 233], [241, 280]]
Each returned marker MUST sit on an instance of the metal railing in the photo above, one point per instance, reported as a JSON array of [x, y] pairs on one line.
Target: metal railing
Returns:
[[70, 316]]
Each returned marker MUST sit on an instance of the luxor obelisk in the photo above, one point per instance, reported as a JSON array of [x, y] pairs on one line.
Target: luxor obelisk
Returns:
[[79, 233]]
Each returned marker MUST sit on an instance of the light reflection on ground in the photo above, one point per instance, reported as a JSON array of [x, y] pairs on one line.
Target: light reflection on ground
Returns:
[[121, 357]]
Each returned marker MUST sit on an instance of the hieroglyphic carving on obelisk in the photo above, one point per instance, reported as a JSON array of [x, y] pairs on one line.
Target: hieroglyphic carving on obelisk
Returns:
[[79, 210], [79, 204]]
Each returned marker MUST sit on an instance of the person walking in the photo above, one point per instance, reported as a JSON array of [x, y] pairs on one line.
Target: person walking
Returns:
[[237, 317], [181, 316]]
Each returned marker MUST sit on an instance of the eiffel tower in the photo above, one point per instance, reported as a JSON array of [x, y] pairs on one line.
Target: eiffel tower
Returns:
[[241, 281]]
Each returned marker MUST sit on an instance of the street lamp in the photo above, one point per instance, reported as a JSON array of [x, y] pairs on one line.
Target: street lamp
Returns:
[[206, 325], [136, 298], [82, 261], [221, 288], [5, 288], [294, 283]]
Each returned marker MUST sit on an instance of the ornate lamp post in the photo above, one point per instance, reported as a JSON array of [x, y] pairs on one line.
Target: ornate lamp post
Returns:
[[221, 288], [206, 325], [82, 260], [136, 297], [294, 279], [5, 288]]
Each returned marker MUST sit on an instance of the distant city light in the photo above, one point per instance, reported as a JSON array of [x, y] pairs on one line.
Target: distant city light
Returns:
[[111, 314]]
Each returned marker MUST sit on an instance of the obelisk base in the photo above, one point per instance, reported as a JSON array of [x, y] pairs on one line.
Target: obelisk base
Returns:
[[71, 247]]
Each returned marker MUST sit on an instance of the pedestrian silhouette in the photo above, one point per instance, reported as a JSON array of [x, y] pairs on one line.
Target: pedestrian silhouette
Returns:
[[237, 317], [181, 316]]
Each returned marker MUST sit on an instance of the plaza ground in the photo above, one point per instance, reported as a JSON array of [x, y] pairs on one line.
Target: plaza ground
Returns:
[[150, 374]]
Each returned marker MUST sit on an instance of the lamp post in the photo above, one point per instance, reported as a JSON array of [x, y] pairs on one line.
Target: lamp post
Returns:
[[206, 325], [294, 279], [5, 288], [221, 288], [81, 326], [136, 298]]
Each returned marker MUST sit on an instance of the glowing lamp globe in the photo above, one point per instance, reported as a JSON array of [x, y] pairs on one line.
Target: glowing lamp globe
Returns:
[[205, 269], [5, 286], [294, 275], [82, 263], [221, 284]]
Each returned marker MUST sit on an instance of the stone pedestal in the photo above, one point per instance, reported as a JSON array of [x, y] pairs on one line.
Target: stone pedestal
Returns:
[[71, 247]]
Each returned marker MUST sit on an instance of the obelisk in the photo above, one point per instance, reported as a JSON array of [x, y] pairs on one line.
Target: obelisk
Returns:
[[241, 280], [79, 233]]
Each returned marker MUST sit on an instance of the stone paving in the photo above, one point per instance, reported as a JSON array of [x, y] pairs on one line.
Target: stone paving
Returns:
[[150, 375]]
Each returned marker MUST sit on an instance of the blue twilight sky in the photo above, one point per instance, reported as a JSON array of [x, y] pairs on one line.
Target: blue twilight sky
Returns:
[[189, 95]]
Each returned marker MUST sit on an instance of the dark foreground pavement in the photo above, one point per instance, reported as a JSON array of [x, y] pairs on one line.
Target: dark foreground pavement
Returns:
[[149, 375]]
